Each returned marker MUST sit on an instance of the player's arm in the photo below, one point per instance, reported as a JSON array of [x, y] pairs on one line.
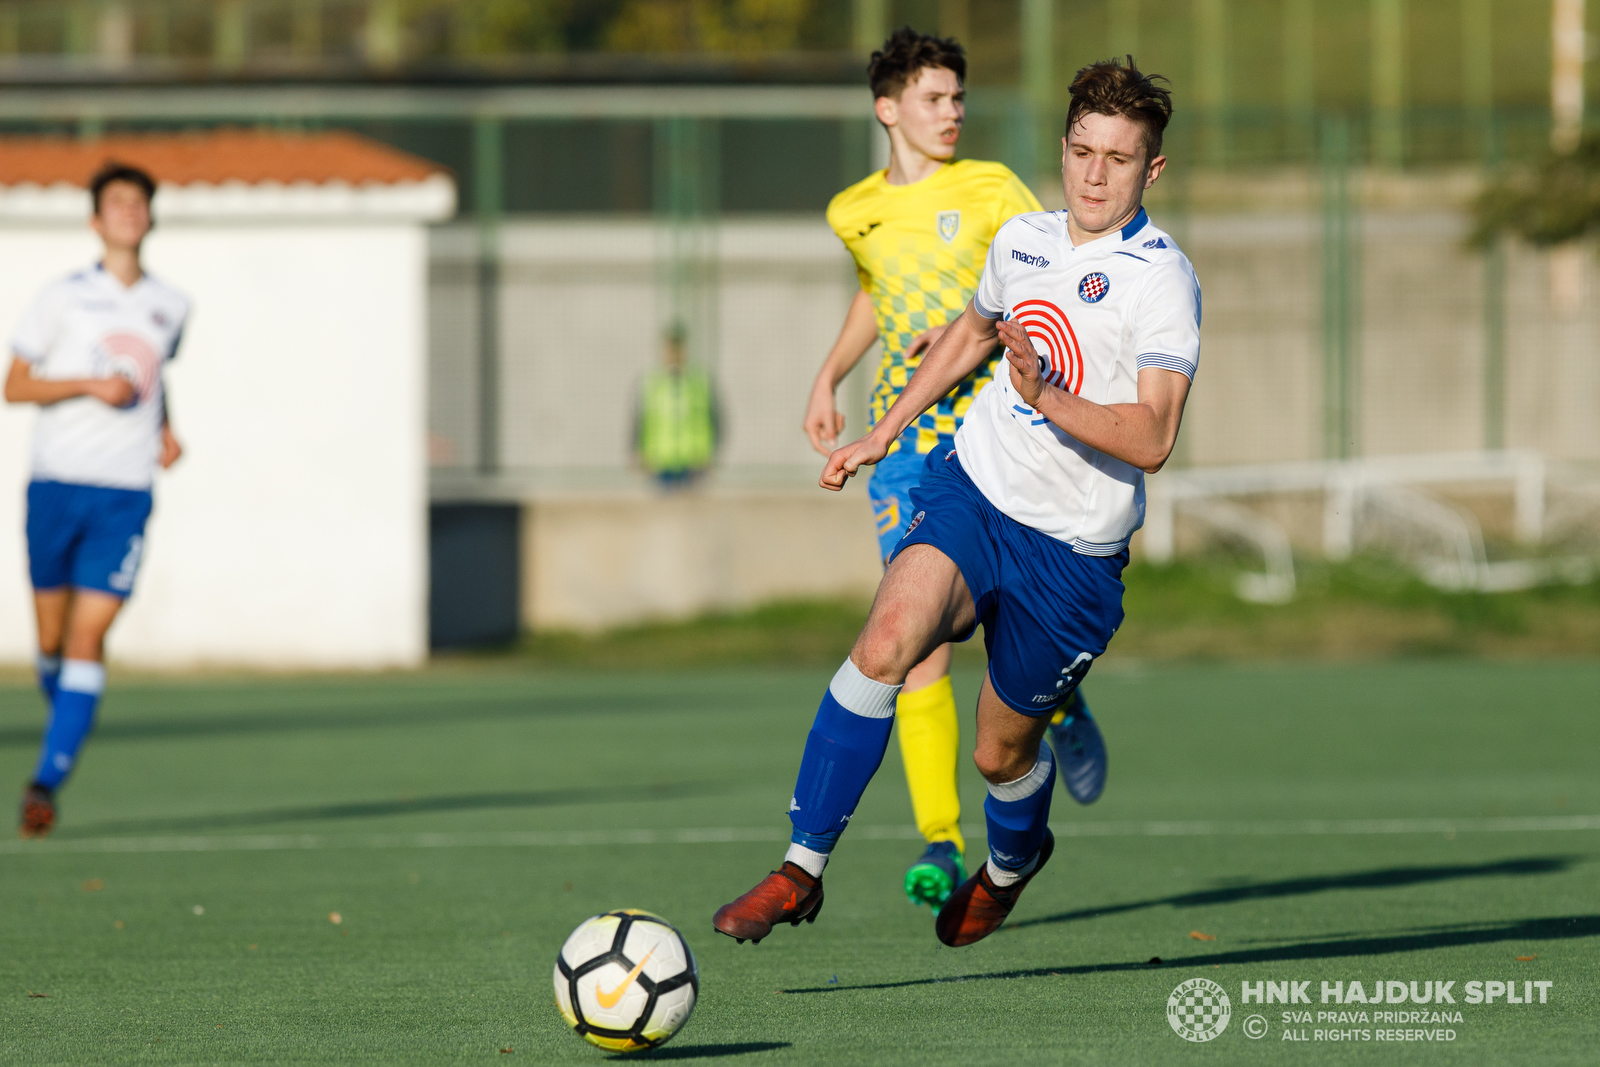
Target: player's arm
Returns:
[[171, 448], [23, 388], [1141, 433], [823, 421], [966, 343]]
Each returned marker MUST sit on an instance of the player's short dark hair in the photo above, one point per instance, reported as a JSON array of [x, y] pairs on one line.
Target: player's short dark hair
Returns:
[[120, 172], [905, 53], [1112, 87]]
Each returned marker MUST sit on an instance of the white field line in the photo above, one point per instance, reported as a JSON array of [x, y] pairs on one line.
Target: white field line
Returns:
[[746, 834]]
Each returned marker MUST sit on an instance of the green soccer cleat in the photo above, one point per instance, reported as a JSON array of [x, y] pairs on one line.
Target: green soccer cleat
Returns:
[[935, 875]]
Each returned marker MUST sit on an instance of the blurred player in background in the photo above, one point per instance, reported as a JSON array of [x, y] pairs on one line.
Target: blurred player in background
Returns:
[[919, 232], [676, 424], [89, 351], [1024, 525]]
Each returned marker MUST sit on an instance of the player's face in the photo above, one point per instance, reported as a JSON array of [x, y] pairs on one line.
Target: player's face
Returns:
[[928, 113], [1104, 172], [124, 216]]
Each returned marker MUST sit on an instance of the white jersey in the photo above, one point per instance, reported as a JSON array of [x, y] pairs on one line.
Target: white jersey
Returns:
[[92, 326], [1099, 313]]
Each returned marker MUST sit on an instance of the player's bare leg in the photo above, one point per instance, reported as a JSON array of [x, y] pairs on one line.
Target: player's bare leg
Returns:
[[921, 604], [1013, 759]]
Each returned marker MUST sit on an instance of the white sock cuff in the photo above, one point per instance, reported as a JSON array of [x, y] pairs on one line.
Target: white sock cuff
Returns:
[[857, 693], [1002, 877], [83, 676], [47, 664], [1029, 783], [807, 860]]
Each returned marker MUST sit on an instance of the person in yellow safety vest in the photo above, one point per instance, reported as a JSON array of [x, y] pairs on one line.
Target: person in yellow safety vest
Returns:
[[676, 427]]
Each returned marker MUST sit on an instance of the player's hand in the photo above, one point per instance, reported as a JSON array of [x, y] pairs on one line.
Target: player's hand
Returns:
[[1026, 366], [844, 462], [924, 341], [823, 423], [118, 392], [171, 450]]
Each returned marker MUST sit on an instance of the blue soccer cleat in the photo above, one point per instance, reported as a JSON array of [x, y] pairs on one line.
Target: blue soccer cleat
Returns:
[[1080, 750], [935, 875]]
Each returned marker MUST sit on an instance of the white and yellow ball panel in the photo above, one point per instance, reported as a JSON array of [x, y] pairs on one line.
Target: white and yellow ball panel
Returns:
[[564, 998], [616, 1044], [593, 937], [673, 1009], [659, 945]]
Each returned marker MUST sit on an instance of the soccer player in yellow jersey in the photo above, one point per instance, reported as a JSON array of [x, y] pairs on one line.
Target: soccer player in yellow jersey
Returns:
[[919, 232]]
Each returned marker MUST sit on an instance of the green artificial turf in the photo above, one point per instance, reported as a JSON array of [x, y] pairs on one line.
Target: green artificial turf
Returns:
[[271, 804]]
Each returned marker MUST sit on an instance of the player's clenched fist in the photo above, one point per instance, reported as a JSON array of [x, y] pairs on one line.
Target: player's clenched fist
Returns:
[[1025, 375], [845, 461], [115, 392]]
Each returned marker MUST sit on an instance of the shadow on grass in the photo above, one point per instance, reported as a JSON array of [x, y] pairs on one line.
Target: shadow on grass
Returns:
[[1383, 878], [440, 709], [1420, 939], [400, 806], [704, 1052]]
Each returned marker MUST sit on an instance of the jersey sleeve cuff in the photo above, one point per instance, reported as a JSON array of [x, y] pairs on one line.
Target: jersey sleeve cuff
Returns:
[[1164, 361], [22, 353], [985, 312]]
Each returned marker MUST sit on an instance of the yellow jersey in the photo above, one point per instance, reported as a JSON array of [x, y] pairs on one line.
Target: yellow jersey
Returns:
[[919, 251]]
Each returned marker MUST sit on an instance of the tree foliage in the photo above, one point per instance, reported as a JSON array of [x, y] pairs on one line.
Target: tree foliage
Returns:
[[1555, 201]]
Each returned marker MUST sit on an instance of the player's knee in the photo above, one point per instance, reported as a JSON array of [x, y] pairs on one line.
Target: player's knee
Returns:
[[999, 762], [887, 649], [877, 657]]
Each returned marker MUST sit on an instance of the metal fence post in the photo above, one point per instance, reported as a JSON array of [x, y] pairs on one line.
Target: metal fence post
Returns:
[[688, 165], [1037, 25], [488, 189], [1340, 292], [1494, 314], [1388, 81], [1299, 77], [1211, 80]]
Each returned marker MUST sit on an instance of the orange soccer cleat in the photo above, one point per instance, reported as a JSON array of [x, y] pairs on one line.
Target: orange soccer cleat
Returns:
[[979, 907], [787, 895], [38, 812]]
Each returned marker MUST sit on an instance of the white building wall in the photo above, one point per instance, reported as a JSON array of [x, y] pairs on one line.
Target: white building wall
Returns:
[[293, 532]]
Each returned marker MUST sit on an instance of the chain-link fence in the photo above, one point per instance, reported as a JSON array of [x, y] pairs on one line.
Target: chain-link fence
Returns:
[[1345, 313]]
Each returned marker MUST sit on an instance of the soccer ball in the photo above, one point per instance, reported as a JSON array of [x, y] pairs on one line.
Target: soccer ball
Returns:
[[626, 980]]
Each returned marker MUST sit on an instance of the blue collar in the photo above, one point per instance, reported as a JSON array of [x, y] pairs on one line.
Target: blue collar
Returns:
[[1135, 224]]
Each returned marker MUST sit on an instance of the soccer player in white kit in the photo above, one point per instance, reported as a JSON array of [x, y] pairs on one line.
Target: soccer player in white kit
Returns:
[[89, 351], [1023, 525]]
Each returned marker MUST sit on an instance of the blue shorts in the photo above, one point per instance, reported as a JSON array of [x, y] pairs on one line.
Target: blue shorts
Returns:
[[1047, 612], [85, 536], [890, 490]]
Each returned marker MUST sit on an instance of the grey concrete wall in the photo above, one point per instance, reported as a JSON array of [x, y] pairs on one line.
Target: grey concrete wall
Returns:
[[603, 560]]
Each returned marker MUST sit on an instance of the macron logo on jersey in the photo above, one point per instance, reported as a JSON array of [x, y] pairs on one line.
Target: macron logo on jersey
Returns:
[[1030, 260]]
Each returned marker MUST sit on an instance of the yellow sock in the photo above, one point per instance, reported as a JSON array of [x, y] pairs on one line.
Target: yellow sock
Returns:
[[929, 739]]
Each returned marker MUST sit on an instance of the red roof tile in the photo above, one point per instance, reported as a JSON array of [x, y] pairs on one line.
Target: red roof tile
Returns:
[[214, 157]]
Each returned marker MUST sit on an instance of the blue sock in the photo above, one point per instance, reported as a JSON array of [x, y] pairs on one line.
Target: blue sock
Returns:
[[49, 672], [71, 719], [843, 751], [1018, 813]]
